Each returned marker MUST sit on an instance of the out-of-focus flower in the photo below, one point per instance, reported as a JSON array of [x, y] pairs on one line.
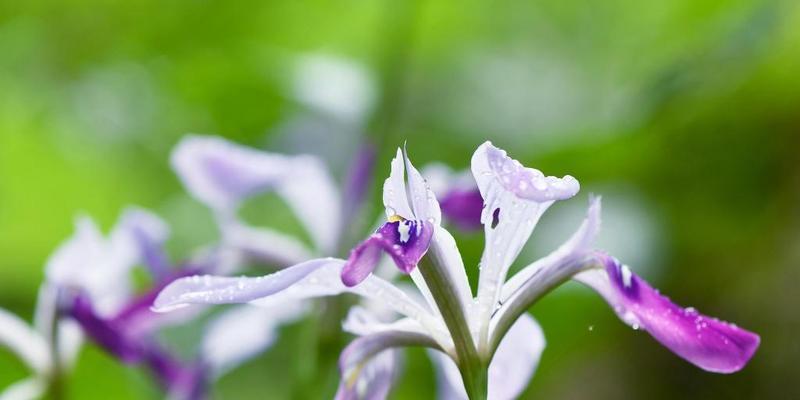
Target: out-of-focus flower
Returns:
[[92, 275], [489, 339]]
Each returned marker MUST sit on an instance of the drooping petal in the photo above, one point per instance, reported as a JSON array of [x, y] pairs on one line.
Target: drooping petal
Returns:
[[69, 335], [222, 174], [181, 380], [26, 389], [243, 332], [706, 342], [510, 370], [17, 336], [360, 376], [515, 198], [405, 241]]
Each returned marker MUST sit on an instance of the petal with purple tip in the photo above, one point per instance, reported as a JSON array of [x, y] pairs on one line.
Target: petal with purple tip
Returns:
[[706, 342], [405, 241]]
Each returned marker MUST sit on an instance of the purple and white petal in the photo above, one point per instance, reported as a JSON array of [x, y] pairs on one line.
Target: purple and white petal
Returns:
[[110, 336], [510, 370], [404, 241], [26, 389], [243, 332], [26, 343], [515, 198], [222, 174], [706, 342]]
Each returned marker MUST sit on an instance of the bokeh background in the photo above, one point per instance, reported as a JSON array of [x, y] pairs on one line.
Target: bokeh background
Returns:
[[684, 115]]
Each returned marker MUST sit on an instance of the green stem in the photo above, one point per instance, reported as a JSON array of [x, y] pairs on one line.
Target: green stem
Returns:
[[472, 368]]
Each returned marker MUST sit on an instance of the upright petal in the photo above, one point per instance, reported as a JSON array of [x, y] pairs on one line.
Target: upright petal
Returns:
[[410, 199], [405, 241], [243, 332], [373, 380], [359, 179], [515, 198], [222, 174], [706, 342], [510, 370]]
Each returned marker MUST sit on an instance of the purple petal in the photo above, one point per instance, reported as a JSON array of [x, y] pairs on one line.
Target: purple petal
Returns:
[[405, 241], [463, 208], [706, 342], [182, 381]]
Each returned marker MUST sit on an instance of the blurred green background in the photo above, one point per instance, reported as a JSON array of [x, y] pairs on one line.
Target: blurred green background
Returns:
[[684, 115]]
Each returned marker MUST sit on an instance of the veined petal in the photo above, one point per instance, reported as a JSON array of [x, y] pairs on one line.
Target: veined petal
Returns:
[[221, 174], [411, 199], [243, 332], [354, 362], [17, 336], [510, 370], [515, 198], [706, 342], [26, 389], [405, 241]]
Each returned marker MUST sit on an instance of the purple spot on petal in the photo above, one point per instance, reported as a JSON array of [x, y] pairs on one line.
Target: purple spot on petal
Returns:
[[495, 218]]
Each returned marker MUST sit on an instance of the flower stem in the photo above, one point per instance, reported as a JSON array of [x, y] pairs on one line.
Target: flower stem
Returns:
[[473, 370]]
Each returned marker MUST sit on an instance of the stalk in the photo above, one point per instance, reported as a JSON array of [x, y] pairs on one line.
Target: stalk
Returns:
[[473, 369]]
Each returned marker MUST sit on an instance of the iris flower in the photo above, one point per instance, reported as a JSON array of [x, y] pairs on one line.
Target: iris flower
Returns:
[[484, 345]]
